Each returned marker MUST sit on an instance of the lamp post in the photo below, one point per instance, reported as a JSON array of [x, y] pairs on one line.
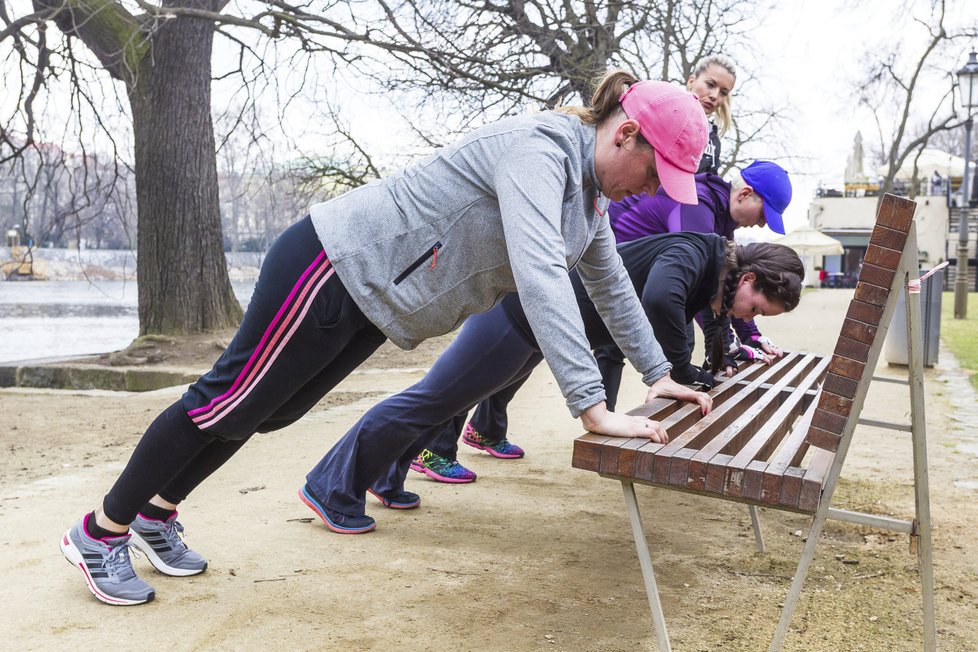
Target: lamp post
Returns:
[[968, 86]]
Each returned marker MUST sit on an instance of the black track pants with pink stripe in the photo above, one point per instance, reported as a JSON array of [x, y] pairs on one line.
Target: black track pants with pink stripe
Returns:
[[301, 335]]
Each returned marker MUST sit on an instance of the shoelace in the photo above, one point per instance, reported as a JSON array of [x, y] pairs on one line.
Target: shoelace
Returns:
[[117, 563], [173, 533], [454, 468]]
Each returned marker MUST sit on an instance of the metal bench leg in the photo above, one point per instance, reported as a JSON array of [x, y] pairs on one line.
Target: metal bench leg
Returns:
[[645, 561], [925, 550], [796, 585], [921, 485], [755, 521]]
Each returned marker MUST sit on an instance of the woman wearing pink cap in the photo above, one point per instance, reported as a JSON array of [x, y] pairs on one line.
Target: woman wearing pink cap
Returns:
[[511, 207], [712, 81]]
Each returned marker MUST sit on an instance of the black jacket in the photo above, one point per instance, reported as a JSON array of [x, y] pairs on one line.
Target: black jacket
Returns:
[[711, 155], [674, 274]]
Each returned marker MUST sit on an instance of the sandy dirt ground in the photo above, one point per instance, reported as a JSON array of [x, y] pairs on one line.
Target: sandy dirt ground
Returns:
[[536, 555]]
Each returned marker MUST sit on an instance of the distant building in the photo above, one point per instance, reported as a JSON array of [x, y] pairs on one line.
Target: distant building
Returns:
[[848, 215]]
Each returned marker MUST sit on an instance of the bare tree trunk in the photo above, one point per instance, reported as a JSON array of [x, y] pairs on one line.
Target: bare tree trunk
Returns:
[[183, 280]]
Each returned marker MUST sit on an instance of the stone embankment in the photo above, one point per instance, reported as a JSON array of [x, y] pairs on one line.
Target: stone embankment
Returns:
[[110, 264], [66, 375]]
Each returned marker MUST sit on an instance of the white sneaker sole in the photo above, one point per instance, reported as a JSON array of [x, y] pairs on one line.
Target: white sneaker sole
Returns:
[[74, 557], [157, 562]]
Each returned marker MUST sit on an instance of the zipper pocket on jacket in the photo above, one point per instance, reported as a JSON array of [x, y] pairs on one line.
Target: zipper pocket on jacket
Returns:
[[433, 252]]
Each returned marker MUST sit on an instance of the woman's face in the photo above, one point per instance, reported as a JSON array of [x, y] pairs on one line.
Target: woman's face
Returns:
[[712, 86], [750, 302], [628, 168]]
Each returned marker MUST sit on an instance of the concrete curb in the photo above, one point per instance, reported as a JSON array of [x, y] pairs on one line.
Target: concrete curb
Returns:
[[77, 376]]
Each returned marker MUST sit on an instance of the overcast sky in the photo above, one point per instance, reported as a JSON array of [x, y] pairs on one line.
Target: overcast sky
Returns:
[[811, 55], [814, 56]]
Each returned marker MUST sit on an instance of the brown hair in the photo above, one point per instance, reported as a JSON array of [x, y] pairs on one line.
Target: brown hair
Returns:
[[605, 101], [778, 271]]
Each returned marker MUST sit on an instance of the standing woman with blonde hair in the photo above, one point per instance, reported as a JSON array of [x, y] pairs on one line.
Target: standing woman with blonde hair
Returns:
[[713, 81]]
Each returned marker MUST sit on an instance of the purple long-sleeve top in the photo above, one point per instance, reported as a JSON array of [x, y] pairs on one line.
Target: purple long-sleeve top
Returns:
[[641, 215], [638, 216]]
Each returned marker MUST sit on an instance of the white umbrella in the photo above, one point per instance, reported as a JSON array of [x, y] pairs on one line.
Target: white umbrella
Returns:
[[930, 161], [806, 241]]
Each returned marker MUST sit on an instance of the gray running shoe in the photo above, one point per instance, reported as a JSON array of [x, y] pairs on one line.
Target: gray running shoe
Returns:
[[106, 566], [164, 547]]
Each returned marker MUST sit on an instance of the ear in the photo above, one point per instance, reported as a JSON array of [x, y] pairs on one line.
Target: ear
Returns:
[[749, 277], [745, 193], [689, 82], [627, 130]]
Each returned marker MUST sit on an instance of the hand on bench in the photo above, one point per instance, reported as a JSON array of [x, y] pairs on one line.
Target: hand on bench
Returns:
[[598, 419], [666, 387], [761, 349], [765, 344]]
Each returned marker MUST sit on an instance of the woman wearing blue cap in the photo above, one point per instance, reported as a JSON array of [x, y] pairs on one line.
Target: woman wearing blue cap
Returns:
[[755, 197], [758, 195]]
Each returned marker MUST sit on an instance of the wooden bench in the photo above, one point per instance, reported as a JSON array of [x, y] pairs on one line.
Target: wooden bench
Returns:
[[778, 435]]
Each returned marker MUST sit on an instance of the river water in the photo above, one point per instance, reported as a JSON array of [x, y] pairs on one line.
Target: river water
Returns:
[[53, 319]]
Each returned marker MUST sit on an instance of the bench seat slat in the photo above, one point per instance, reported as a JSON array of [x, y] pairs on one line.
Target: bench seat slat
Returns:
[[587, 451], [815, 477], [628, 454], [791, 487], [729, 441], [772, 472], [671, 462], [765, 441], [610, 454]]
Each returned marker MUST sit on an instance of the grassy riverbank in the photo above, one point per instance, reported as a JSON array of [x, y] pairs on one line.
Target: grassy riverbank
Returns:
[[961, 335]]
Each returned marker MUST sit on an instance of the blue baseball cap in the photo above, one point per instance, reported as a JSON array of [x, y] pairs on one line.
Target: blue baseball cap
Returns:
[[770, 181]]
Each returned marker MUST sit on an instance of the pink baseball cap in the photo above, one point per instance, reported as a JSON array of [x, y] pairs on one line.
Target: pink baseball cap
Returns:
[[673, 121]]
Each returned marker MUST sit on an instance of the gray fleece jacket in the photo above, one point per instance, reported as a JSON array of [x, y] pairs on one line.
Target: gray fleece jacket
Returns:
[[510, 207]]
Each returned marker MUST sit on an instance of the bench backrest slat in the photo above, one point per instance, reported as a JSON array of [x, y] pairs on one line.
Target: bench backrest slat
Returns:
[[859, 342]]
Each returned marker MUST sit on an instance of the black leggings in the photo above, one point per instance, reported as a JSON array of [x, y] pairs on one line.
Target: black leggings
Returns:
[[301, 335]]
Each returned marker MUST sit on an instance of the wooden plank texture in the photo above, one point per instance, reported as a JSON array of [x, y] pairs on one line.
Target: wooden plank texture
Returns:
[[840, 385], [878, 276], [876, 255], [896, 212], [843, 366], [587, 451], [872, 294], [865, 312], [852, 349], [888, 238], [859, 331]]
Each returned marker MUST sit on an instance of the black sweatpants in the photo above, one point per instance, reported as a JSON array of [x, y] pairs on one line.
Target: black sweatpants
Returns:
[[378, 449], [301, 335]]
